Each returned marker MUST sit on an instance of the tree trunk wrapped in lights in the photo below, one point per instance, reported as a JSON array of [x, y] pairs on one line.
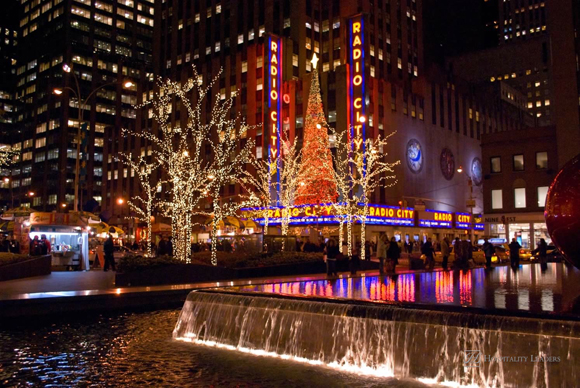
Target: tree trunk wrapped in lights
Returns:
[[229, 162], [346, 206], [143, 205], [316, 184], [288, 168], [179, 150], [371, 171]]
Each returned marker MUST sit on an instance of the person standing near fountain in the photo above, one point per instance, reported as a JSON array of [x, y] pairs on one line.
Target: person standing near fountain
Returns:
[[514, 253], [488, 250], [393, 254], [331, 251], [382, 251], [109, 248], [445, 252]]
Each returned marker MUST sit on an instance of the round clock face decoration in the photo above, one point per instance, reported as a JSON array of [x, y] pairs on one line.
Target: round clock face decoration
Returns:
[[447, 163], [476, 171], [414, 155]]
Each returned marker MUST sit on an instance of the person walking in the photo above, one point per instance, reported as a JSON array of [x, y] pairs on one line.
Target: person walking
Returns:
[[514, 253], [355, 258], [109, 248], [331, 252], [427, 250], [542, 251], [14, 245], [393, 254], [382, 247], [445, 253], [488, 250], [169, 246], [457, 249]]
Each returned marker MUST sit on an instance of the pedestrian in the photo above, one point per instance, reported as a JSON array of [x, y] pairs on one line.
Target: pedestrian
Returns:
[[445, 252], [514, 253], [427, 250], [14, 245], [169, 246], [355, 259], [382, 251], [109, 248], [542, 251], [457, 249], [331, 252], [162, 248], [35, 247], [393, 254], [45, 245], [367, 250], [489, 251], [99, 257]]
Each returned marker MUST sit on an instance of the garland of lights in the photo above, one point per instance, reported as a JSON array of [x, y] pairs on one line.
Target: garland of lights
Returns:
[[258, 188]]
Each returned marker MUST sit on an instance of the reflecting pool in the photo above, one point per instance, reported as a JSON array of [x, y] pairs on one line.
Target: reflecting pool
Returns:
[[530, 288]]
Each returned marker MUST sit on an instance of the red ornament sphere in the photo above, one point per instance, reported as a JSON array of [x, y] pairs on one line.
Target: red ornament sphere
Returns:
[[562, 211]]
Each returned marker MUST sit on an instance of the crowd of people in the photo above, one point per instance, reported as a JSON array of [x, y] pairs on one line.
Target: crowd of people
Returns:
[[9, 244]]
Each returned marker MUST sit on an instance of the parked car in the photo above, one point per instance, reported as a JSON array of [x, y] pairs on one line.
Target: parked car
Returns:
[[525, 253], [553, 255]]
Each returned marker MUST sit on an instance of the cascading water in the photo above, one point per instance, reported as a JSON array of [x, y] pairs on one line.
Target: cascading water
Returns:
[[433, 346]]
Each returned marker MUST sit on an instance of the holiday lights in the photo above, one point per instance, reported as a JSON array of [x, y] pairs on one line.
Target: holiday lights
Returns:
[[258, 187], [316, 183], [142, 205], [371, 172]]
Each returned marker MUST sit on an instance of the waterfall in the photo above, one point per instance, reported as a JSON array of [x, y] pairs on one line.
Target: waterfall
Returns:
[[386, 340]]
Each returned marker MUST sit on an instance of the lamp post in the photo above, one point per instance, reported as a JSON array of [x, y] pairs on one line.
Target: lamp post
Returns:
[[471, 201], [58, 91]]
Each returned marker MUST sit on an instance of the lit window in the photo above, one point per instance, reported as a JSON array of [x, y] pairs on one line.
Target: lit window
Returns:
[[495, 163], [546, 102], [542, 193], [520, 198], [259, 152], [519, 162], [541, 160], [244, 66], [496, 199]]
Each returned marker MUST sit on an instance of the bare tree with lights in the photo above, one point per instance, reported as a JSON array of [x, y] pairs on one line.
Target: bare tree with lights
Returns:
[[179, 150], [143, 205], [289, 164], [346, 207], [371, 171], [258, 188], [229, 161]]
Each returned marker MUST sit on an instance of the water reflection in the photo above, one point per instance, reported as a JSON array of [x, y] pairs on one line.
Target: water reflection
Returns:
[[528, 288]]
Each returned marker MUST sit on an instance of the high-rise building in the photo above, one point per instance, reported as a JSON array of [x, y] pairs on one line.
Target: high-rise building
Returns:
[[75, 54], [371, 63], [538, 55]]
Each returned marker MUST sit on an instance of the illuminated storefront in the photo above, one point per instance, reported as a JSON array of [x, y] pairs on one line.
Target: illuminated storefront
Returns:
[[527, 228]]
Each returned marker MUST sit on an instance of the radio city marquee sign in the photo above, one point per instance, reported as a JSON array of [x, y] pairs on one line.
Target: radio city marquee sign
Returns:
[[273, 76], [356, 80], [377, 214], [436, 219]]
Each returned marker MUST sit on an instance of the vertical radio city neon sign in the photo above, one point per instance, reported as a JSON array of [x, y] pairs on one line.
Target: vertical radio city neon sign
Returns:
[[356, 81], [272, 122]]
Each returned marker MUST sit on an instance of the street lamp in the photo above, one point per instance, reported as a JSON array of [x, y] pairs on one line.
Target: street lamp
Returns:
[[120, 201], [59, 91], [63, 205], [471, 201]]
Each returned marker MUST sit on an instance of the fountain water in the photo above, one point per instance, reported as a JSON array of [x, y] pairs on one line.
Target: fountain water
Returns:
[[433, 346]]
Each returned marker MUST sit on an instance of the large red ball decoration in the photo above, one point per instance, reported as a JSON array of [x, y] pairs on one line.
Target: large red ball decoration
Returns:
[[562, 211]]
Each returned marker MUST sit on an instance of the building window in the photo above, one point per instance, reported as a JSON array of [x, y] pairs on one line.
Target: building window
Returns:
[[259, 152], [518, 162], [495, 163], [541, 160], [496, 199], [542, 193], [520, 198], [52, 199]]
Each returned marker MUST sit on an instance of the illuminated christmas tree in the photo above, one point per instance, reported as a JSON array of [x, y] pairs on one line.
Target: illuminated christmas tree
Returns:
[[316, 184]]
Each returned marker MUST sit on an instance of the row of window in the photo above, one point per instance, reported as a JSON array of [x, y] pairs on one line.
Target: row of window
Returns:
[[519, 198], [518, 162]]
